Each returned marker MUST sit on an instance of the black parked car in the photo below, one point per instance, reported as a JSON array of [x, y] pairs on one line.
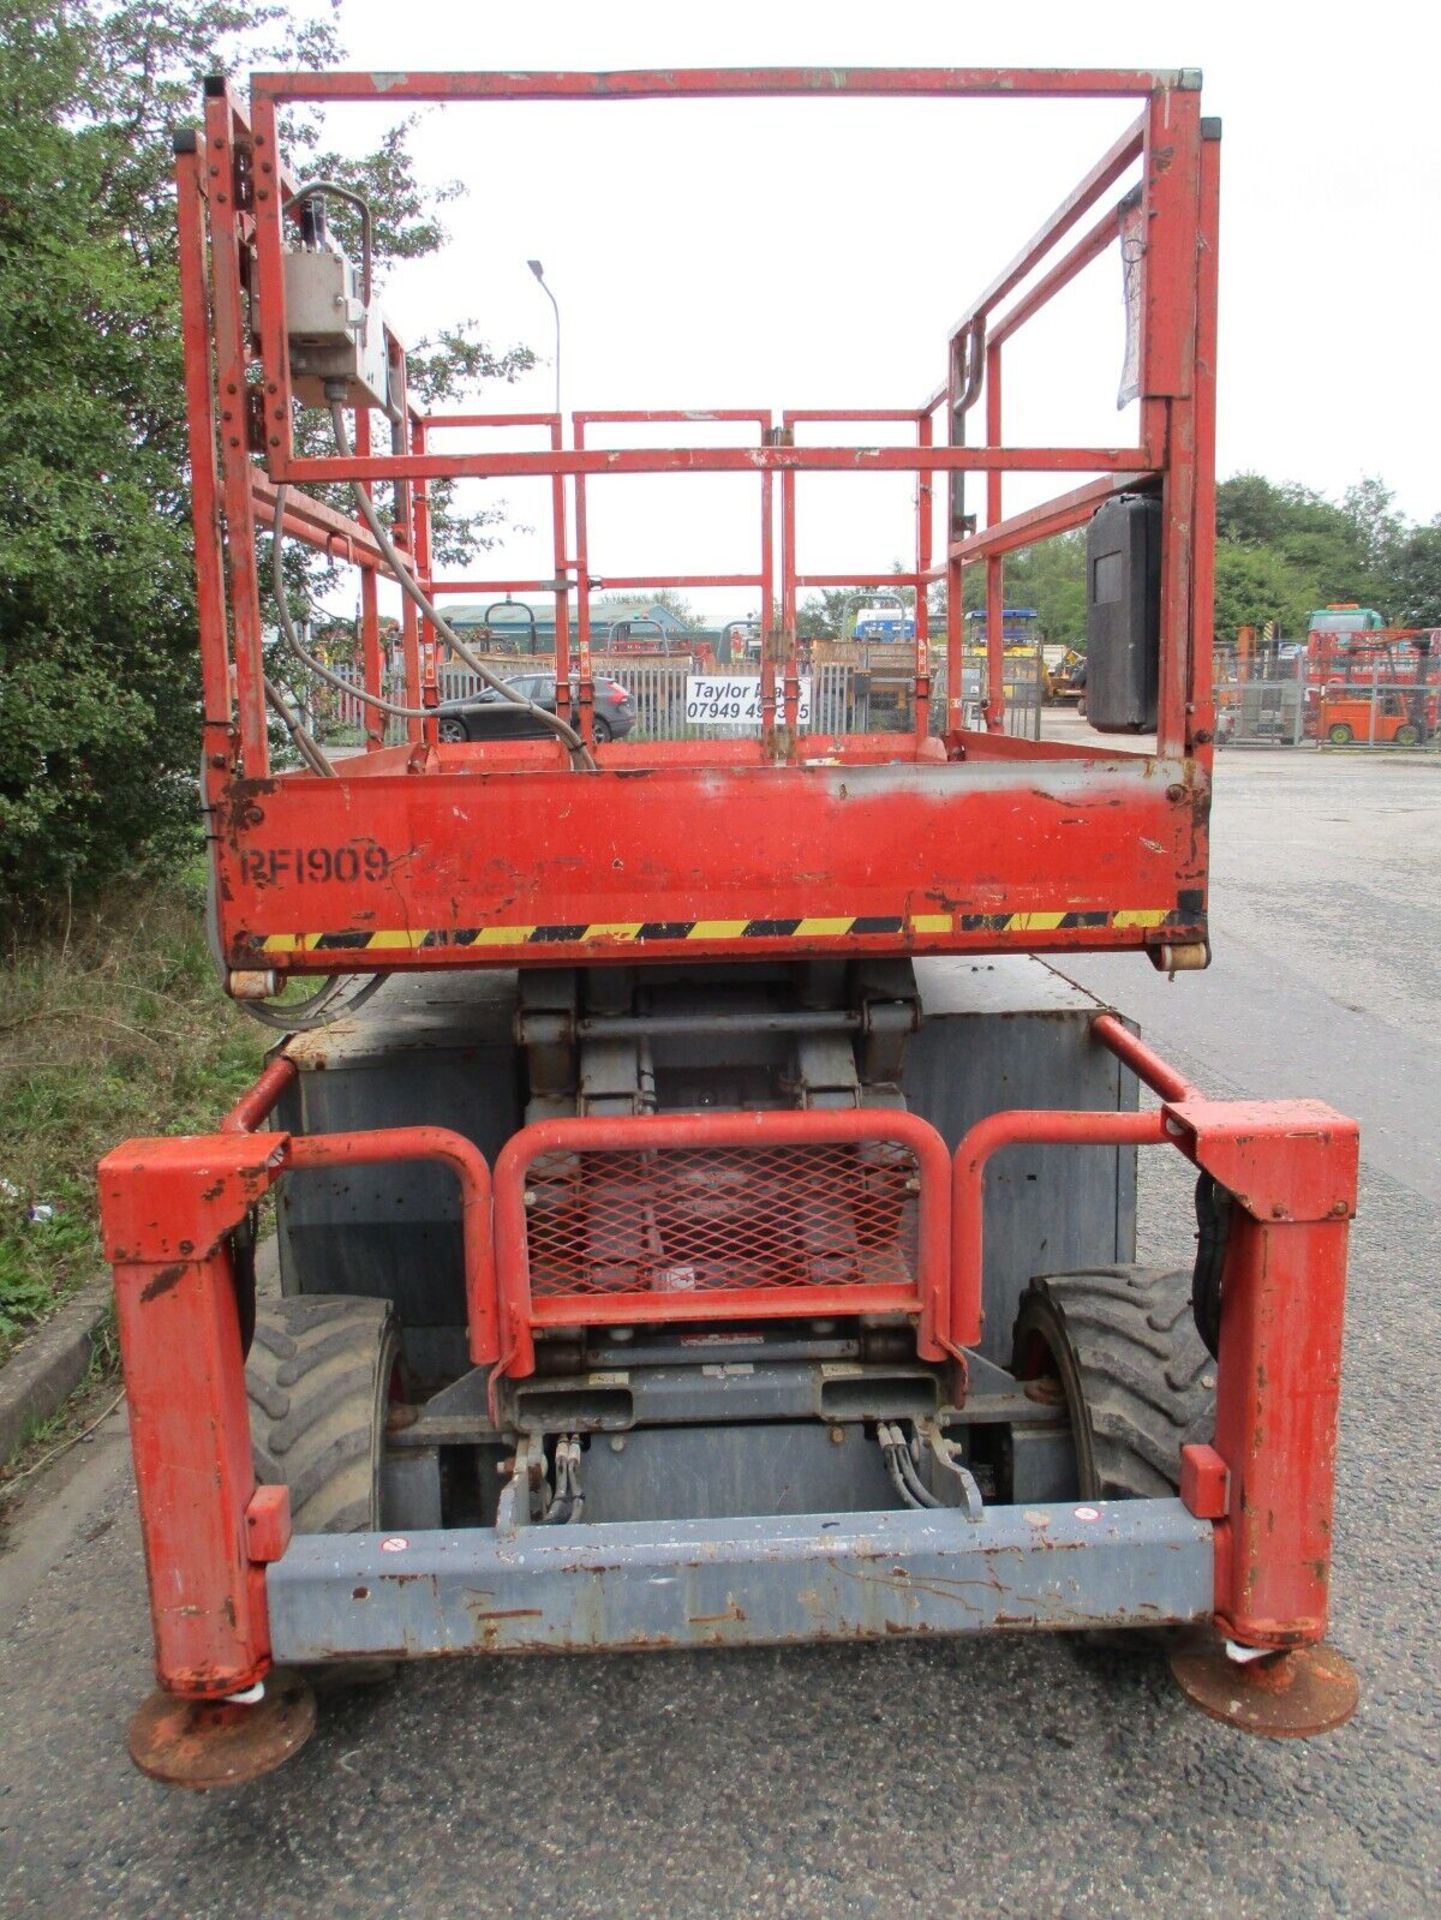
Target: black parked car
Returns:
[[488, 715]]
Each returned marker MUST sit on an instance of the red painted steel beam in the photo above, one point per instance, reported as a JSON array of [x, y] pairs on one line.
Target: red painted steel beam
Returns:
[[1060, 515], [1170, 305], [1201, 685], [491, 586], [432, 421], [670, 416], [662, 580], [227, 337], [840, 416], [1090, 247], [1028, 1127], [599, 461], [319, 525], [263, 1098], [204, 477], [1011, 83], [1148, 1067], [886, 579]]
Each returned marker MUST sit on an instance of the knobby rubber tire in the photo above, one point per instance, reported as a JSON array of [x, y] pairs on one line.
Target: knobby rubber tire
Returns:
[[1139, 1383], [319, 1380]]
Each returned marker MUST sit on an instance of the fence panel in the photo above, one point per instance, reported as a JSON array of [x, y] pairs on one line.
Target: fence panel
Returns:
[[848, 696]]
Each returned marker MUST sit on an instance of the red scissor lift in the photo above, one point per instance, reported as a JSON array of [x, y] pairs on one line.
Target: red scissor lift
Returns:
[[702, 1341]]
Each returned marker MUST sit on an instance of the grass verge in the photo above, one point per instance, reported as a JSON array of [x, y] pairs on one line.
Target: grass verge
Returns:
[[111, 1025]]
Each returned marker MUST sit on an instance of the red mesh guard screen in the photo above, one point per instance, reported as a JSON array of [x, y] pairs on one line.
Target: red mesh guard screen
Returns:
[[695, 1220], [713, 1216]]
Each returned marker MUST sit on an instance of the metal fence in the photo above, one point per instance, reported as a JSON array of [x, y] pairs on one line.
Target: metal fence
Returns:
[[1354, 704], [847, 697]]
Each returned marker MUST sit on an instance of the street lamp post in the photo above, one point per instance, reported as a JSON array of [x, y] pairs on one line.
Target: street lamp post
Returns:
[[539, 271]]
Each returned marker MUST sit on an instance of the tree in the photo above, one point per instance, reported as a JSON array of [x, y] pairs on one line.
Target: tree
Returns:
[[99, 724], [1255, 584], [1413, 577]]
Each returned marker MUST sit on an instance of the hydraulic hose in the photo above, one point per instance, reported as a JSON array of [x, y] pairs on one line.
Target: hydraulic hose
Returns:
[[297, 647]]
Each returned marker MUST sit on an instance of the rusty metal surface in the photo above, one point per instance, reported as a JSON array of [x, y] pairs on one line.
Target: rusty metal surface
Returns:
[[771, 1580], [203, 1744], [1285, 1696]]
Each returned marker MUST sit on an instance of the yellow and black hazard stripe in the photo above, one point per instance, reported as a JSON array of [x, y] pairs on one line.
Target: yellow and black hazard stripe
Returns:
[[1143, 917], [639, 932]]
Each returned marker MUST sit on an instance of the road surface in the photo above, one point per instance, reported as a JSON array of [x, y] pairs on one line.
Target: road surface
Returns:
[[1000, 1777]]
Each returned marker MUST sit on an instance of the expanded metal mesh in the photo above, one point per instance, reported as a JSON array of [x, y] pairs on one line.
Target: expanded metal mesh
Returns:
[[688, 1220]]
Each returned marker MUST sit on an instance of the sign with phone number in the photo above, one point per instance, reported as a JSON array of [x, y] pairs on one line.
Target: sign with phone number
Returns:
[[734, 700]]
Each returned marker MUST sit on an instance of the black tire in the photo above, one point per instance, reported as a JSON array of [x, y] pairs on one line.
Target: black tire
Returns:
[[1340, 735], [452, 729], [603, 731], [1407, 735], [1138, 1383], [320, 1377]]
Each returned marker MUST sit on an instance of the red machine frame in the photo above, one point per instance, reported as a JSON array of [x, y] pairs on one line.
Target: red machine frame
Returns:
[[433, 855], [427, 855]]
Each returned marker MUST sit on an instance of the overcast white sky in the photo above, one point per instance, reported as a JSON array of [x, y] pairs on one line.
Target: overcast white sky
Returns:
[[799, 253]]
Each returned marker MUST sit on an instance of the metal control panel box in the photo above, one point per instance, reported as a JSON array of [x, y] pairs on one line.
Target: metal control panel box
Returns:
[[333, 334]]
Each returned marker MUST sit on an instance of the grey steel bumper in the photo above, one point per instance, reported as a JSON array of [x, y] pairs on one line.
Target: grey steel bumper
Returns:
[[743, 1582]]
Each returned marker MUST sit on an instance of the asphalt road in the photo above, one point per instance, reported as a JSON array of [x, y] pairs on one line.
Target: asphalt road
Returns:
[[1001, 1777]]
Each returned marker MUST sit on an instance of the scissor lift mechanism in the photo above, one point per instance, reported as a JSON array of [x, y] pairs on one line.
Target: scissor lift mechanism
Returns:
[[790, 847]]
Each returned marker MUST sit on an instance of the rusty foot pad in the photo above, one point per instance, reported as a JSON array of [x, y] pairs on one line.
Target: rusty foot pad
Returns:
[[209, 1743], [1287, 1696]]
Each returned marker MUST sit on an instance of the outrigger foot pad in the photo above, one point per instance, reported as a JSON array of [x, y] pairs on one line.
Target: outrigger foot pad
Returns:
[[1282, 1696], [222, 1743]]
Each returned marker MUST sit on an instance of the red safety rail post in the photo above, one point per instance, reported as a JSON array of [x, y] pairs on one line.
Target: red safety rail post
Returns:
[[924, 530], [1200, 686], [429, 642], [561, 564], [167, 1210], [1149, 1068], [995, 566], [402, 533], [585, 688], [1172, 167], [372, 653], [654, 1135], [769, 630], [1290, 1167], [204, 480], [228, 230]]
